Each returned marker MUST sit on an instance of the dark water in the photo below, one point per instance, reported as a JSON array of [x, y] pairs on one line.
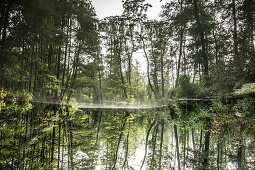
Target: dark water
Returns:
[[186, 135]]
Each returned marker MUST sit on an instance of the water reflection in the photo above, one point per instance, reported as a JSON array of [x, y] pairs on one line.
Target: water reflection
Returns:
[[187, 135]]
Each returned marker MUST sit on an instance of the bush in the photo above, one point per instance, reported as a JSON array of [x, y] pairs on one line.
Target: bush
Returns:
[[186, 89], [248, 88]]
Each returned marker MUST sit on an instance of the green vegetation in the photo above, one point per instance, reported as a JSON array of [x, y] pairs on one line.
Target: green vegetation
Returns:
[[59, 51], [246, 89], [208, 135], [199, 80]]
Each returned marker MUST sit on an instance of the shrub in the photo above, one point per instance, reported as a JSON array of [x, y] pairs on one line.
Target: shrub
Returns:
[[186, 89], [248, 88]]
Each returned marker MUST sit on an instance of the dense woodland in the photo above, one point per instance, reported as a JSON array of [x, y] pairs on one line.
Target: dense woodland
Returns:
[[58, 50], [199, 59]]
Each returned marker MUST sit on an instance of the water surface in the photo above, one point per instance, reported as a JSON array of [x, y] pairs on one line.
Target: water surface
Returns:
[[185, 135]]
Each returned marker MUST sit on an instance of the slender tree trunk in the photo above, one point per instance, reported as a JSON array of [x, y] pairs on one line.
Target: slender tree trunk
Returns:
[[154, 142], [71, 146], [65, 55], [126, 155], [177, 147], [120, 137], [121, 72], [100, 87], [58, 64], [184, 148], [218, 156], [202, 39], [155, 72], [146, 141], [25, 143], [50, 57], [193, 139], [216, 47], [162, 77], [75, 71], [200, 142], [99, 123], [31, 70], [206, 151], [6, 19], [148, 70], [161, 143], [240, 157], [235, 29], [21, 65], [180, 51], [53, 137], [43, 151], [59, 136]]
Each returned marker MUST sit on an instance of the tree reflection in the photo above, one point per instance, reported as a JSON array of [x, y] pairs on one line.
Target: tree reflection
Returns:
[[188, 135]]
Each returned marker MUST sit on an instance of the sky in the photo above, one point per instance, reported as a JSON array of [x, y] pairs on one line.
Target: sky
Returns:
[[106, 8]]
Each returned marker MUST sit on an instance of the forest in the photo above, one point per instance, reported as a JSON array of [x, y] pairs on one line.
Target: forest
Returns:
[[59, 50], [195, 88]]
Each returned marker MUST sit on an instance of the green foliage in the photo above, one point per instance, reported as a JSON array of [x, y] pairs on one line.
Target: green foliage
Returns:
[[16, 96], [32, 128], [50, 50], [193, 113], [189, 90], [248, 88]]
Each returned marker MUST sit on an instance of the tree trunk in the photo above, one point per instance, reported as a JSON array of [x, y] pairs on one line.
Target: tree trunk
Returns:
[[235, 29], [162, 75], [218, 156], [206, 151], [240, 157], [148, 71], [100, 87], [154, 142], [59, 136], [126, 155], [216, 47], [146, 141], [202, 39], [177, 147], [6, 18], [121, 73], [120, 137], [161, 143], [53, 140], [99, 123], [180, 51], [184, 148], [31, 71]]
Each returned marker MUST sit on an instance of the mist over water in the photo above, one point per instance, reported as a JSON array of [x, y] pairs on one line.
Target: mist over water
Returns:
[[117, 106]]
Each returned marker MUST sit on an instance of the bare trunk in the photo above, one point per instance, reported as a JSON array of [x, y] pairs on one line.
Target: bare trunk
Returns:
[[180, 52], [177, 147], [206, 151], [161, 143], [235, 29], [120, 137], [202, 39], [148, 71], [154, 141], [146, 141]]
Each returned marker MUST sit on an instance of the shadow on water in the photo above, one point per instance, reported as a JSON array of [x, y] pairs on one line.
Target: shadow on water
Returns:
[[185, 135]]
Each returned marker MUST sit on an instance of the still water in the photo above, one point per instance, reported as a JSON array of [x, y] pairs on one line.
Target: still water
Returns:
[[185, 135]]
